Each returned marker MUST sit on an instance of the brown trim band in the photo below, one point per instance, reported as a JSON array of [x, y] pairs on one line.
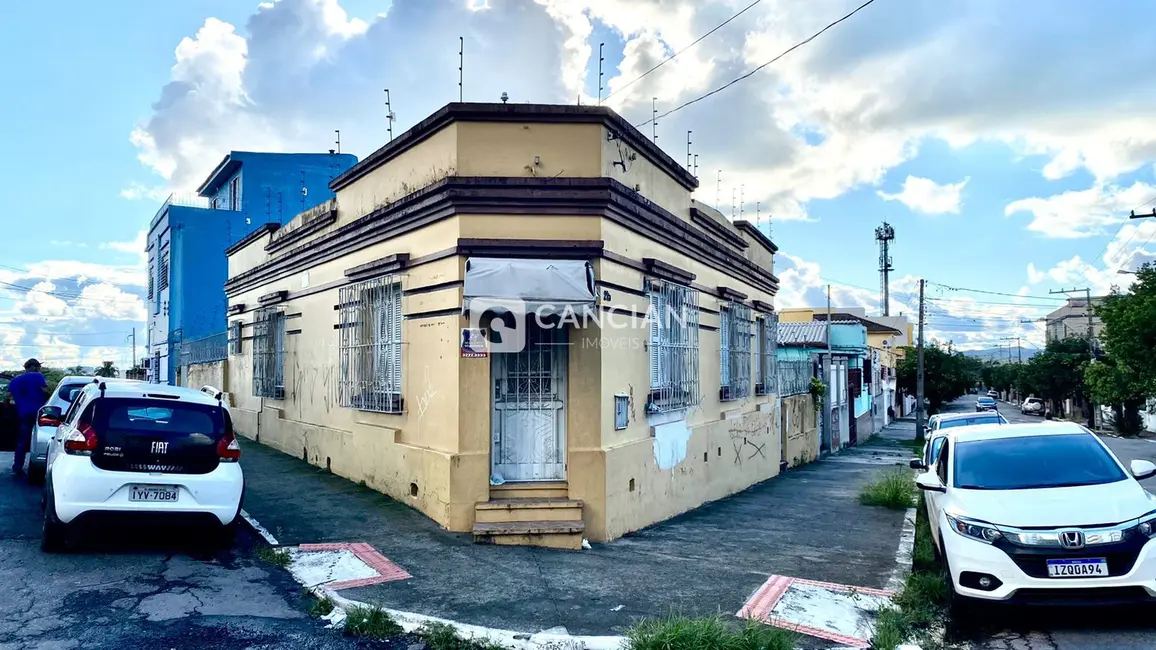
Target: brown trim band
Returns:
[[715, 228], [563, 196], [237, 308], [292, 332], [727, 293], [261, 231], [303, 232], [387, 264], [660, 269], [759, 305], [274, 297], [618, 128], [548, 248], [753, 230]]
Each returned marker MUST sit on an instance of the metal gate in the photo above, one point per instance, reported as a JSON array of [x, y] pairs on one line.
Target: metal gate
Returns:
[[529, 409]]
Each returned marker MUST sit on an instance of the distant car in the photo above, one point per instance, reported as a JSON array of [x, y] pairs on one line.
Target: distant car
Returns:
[[46, 422], [131, 450], [952, 420], [1038, 514], [994, 394], [986, 404], [1032, 406]]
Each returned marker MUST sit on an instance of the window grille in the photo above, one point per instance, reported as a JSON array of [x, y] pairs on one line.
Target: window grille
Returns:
[[768, 331], [736, 331], [163, 275], [235, 337], [371, 340], [674, 380], [794, 377], [269, 353], [621, 412], [152, 274]]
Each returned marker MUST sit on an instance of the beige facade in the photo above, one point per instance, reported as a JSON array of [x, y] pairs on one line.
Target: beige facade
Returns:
[[420, 418], [1071, 320]]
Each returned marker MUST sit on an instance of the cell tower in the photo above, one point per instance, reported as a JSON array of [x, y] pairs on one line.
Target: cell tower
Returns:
[[885, 234]]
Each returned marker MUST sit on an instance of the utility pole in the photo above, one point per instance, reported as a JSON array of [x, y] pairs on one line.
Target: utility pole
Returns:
[[829, 396], [134, 347], [1091, 344], [919, 414]]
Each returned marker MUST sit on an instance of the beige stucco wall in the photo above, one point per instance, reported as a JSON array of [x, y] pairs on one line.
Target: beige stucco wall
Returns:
[[510, 148], [213, 374], [801, 424], [650, 180]]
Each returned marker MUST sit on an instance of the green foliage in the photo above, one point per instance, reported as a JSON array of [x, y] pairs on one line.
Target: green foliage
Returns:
[[711, 633], [1118, 384], [1125, 378], [443, 636], [319, 607], [371, 623], [1057, 372], [818, 391], [891, 489], [922, 602], [946, 374], [278, 557], [107, 369]]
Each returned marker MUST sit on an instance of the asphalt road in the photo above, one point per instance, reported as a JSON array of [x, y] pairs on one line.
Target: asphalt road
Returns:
[[122, 590], [1066, 628]]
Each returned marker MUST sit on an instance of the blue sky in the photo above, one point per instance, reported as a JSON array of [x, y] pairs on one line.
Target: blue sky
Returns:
[[991, 135]]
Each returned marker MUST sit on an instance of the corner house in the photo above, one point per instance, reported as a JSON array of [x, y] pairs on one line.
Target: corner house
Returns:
[[385, 334]]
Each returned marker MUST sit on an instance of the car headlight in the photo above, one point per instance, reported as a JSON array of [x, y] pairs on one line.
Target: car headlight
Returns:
[[977, 530], [1147, 525]]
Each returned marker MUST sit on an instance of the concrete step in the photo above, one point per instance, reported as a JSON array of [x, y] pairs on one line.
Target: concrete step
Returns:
[[546, 534], [530, 490], [528, 509]]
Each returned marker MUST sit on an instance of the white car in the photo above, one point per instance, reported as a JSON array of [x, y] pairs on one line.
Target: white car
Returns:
[[133, 450], [1041, 513], [47, 419], [1032, 406]]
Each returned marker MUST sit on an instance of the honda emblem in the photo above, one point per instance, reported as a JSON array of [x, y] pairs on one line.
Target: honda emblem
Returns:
[[1072, 539]]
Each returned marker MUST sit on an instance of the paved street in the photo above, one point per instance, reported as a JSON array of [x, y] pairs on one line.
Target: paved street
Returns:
[[1021, 628], [129, 592]]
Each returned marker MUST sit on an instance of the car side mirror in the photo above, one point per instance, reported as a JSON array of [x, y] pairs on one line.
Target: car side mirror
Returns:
[[72, 394], [916, 463], [50, 416], [1142, 469], [929, 482]]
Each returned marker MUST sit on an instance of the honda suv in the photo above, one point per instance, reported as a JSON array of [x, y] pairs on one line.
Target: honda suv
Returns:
[[128, 450]]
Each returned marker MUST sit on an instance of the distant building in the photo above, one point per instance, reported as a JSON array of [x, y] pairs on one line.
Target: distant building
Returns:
[[189, 234], [1071, 320]]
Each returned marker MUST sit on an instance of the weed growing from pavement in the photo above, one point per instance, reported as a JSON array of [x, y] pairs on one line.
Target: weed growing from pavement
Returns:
[[891, 489], [371, 623], [443, 636], [711, 633], [278, 557], [319, 607], [923, 601]]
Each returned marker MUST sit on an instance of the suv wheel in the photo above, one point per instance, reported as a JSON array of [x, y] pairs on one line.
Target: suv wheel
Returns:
[[54, 534]]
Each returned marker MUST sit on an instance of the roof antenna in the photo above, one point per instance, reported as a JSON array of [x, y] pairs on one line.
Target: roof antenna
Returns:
[[654, 118], [600, 60], [461, 66], [338, 132], [389, 116], [688, 143]]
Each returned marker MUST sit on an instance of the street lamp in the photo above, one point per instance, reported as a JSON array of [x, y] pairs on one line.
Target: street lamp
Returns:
[[1123, 272]]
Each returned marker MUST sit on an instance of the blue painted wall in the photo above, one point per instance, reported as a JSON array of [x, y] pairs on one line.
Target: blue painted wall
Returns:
[[270, 191]]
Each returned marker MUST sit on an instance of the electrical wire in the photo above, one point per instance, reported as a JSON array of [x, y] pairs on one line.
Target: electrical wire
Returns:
[[993, 293], [672, 56], [752, 72]]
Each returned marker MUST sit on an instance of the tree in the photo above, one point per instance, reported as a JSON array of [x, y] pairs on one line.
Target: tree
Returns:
[[76, 370], [946, 375], [1057, 372], [1126, 378], [106, 369], [1118, 384]]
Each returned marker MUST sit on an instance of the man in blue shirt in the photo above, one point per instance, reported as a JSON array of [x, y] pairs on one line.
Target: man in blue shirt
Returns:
[[30, 392]]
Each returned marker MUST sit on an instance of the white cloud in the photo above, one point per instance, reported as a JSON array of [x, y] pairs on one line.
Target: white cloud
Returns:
[[136, 246], [137, 191], [926, 196], [1081, 213]]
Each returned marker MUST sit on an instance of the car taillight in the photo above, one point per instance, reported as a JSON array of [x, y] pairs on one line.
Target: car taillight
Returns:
[[228, 449], [47, 422], [81, 442]]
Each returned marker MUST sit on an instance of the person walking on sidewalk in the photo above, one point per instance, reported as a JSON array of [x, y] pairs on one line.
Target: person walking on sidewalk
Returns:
[[30, 392]]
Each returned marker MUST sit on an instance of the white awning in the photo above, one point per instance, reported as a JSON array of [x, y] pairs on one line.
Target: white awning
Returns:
[[545, 286]]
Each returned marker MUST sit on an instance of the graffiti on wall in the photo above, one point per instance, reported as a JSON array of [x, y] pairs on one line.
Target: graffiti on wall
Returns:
[[751, 434]]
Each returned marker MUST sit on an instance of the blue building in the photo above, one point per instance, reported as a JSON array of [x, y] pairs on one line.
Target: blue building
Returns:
[[189, 234]]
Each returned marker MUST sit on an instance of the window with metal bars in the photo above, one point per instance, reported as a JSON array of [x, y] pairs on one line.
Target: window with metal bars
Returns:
[[767, 328], [269, 353], [735, 331], [163, 274], [371, 344], [152, 274], [674, 378], [235, 337]]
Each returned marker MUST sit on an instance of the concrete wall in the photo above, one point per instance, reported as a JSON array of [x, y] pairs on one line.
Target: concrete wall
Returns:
[[214, 374], [801, 430], [435, 455]]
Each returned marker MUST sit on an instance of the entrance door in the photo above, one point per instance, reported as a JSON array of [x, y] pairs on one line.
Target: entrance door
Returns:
[[529, 413]]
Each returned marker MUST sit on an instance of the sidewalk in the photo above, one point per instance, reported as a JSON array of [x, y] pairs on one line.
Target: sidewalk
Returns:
[[806, 524]]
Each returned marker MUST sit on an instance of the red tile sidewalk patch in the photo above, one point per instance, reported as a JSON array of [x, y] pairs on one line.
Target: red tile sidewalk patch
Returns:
[[762, 603], [387, 571]]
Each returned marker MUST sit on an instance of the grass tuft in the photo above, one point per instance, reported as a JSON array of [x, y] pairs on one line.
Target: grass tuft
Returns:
[[278, 557], [890, 489], [371, 623], [320, 607], [443, 636], [711, 633], [924, 599]]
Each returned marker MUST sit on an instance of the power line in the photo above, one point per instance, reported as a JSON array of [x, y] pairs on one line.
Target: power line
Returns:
[[992, 293], [752, 72], [993, 302], [672, 56]]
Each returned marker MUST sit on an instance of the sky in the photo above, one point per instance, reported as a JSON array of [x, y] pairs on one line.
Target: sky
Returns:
[[1006, 143]]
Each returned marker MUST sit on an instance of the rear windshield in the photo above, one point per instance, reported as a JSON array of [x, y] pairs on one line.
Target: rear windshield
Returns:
[[65, 391], [968, 421], [986, 400], [150, 416], [1034, 462]]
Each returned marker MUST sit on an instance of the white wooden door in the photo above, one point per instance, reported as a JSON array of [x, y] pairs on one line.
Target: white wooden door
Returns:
[[529, 409]]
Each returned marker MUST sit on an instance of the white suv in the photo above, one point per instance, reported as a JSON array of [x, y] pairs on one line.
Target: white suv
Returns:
[[133, 449]]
